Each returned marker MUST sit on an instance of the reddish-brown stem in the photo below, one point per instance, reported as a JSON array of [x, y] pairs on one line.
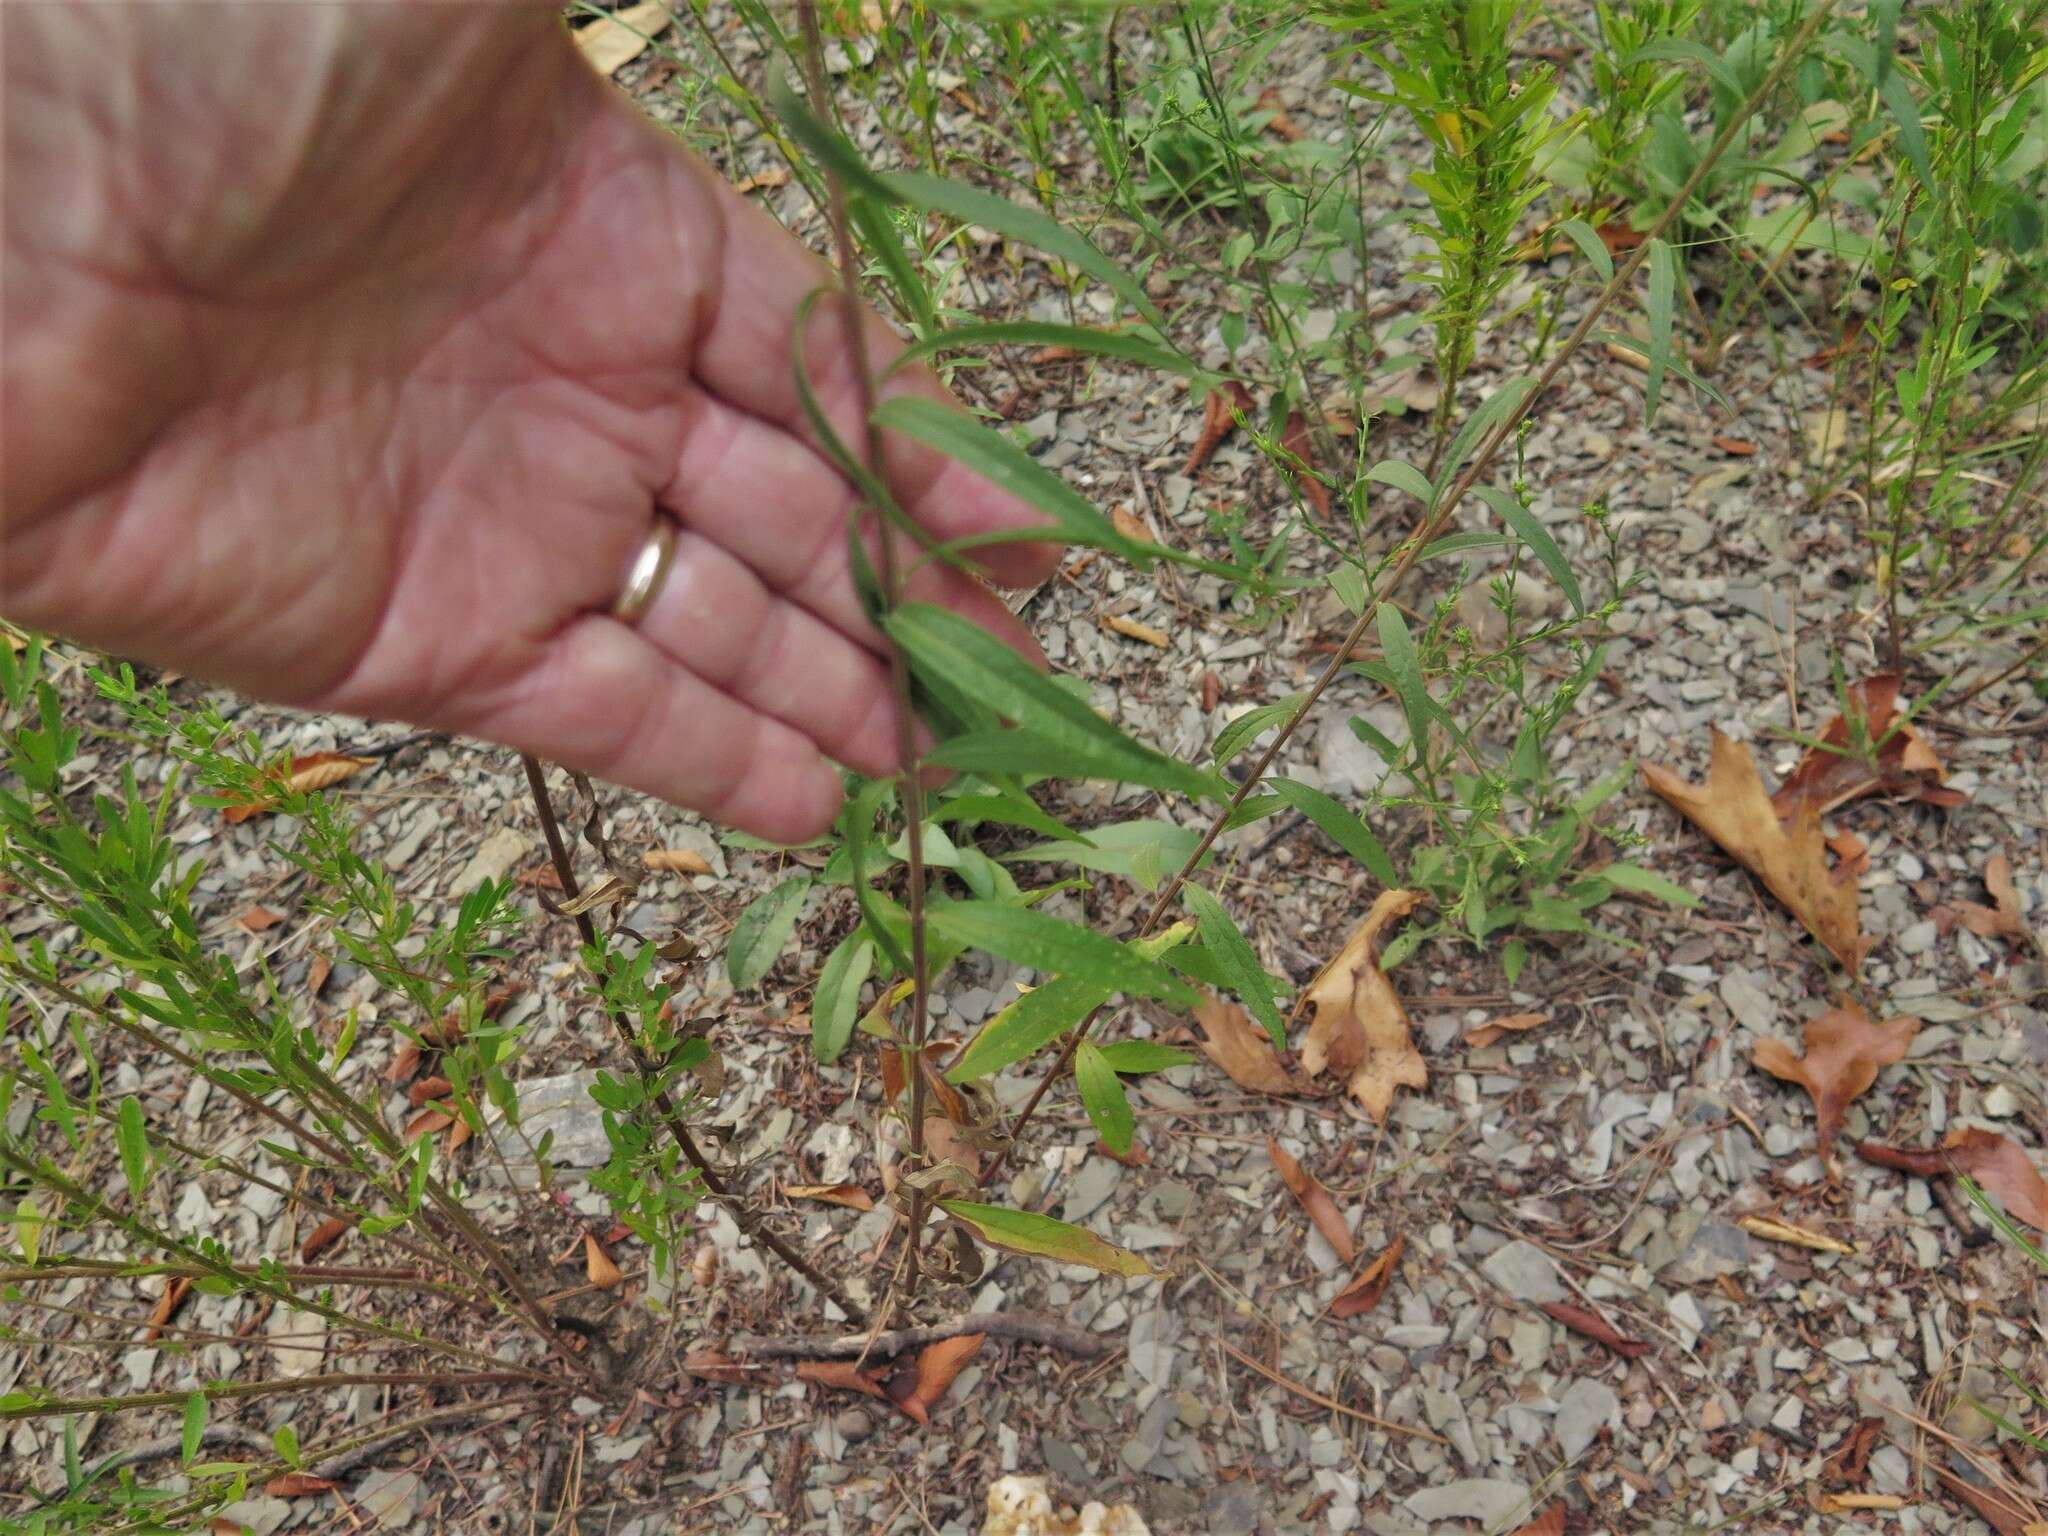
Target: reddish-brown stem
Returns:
[[744, 1217], [899, 667], [1411, 550]]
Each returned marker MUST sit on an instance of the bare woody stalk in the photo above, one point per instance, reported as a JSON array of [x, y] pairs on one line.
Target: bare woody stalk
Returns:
[[744, 1217], [892, 587], [1411, 549]]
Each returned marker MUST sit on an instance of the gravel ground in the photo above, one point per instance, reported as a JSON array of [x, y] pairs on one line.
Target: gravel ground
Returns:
[[1604, 1160]]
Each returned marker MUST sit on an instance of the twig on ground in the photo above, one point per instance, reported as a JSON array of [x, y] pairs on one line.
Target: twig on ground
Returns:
[[1318, 1399], [1029, 1327]]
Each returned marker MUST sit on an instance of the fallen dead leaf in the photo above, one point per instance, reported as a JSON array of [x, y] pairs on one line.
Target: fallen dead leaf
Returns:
[[1595, 1327], [1360, 1031], [1852, 855], [1741, 447], [762, 181], [947, 1142], [1220, 410], [2003, 918], [1549, 1523], [296, 1485], [598, 1267], [1849, 1503], [1617, 237], [1413, 389], [322, 1238], [318, 969], [1295, 439], [1799, 1237], [1789, 857], [612, 42], [1130, 525], [427, 1122], [937, 1364], [1994, 1160], [300, 775], [176, 1289], [1844, 1052], [404, 1062], [852, 1196], [1511, 1023], [1322, 1210], [1212, 692], [1850, 1460], [256, 919], [1242, 1049], [1828, 775], [1278, 123], [1827, 433], [1132, 629], [458, 1135], [676, 861], [842, 1376], [1994, 1509], [428, 1088], [1370, 1284], [1137, 1157]]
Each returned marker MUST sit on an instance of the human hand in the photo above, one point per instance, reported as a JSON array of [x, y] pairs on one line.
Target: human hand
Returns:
[[350, 350]]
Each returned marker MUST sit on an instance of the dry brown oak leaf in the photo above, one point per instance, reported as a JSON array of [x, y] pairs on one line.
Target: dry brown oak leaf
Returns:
[[1997, 1162], [1243, 1050], [1844, 1052], [1789, 857], [1360, 1032], [1830, 775], [2003, 919]]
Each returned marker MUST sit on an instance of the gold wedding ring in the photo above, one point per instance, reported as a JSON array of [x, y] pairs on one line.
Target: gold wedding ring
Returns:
[[650, 570]]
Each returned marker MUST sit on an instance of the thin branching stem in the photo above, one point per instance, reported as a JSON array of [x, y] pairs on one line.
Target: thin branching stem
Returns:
[[1411, 548]]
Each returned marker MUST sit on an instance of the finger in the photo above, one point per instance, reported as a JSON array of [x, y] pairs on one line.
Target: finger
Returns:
[[604, 700], [747, 355], [781, 509], [716, 618]]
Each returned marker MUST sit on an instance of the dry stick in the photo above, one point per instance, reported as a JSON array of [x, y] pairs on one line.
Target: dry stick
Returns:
[[1318, 1399], [899, 666], [748, 1221], [1411, 550], [1028, 1326]]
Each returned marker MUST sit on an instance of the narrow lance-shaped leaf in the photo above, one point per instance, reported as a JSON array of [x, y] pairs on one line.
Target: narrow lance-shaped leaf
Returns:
[[1349, 832], [1026, 1026], [1036, 333], [1235, 957], [1663, 293], [1537, 537], [134, 1144], [1102, 1095], [1404, 665], [1041, 1237]]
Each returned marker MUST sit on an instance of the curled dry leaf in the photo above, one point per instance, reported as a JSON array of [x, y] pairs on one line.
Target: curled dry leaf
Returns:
[[322, 1238], [1789, 857], [404, 1062], [1295, 439], [1549, 1523], [458, 1135], [1413, 389], [1595, 1327], [1131, 629], [937, 1364], [1360, 1031], [1212, 692], [2003, 918], [1844, 1051], [1242, 1049], [1829, 775], [1994, 1508], [844, 1376], [427, 1122], [1365, 1291], [296, 1485], [1316, 1200], [1512, 1023], [1850, 1460], [676, 861], [176, 1289], [1994, 1160], [611, 43], [1130, 525], [1220, 411], [318, 969], [300, 775], [1774, 1231], [428, 1088], [257, 919], [598, 1267], [1741, 447], [762, 181], [852, 1196]]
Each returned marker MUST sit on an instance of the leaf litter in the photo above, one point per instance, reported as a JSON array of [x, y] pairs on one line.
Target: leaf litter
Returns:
[[1360, 1032], [1996, 1162], [1316, 1200], [1902, 765], [1844, 1051]]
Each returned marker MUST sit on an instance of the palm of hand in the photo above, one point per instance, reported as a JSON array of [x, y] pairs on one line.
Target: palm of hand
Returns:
[[420, 453]]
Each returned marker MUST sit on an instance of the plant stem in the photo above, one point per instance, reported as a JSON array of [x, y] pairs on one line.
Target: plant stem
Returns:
[[214, 1391], [1411, 549], [748, 1221], [899, 666]]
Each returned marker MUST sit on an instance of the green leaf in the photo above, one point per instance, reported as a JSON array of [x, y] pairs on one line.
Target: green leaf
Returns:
[[1142, 850], [1102, 1095], [1458, 543], [1537, 537], [858, 820], [1041, 1237], [1047, 943], [1647, 882], [286, 1439], [1234, 955], [134, 1144], [1403, 476], [1017, 811], [1002, 463], [1496, 408], [1036, 333], [1513, 958], [195, 1426], [1026, 1026], [822, 142], [1349, 832], [941, 642], [1404, 665], [1254, 723], [836, 1003], [1663, 294], [1016, 221], [762, 930], [1588, 240], [1132, 1057]]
